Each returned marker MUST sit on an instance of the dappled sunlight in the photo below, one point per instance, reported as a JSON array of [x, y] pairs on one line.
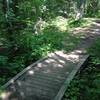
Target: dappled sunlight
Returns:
[[96, 23], [12, 81], [56, 67], [49, 60], [39, 65], [61, 61], [51, 71], [29, 31], [91, 31], [60, 22], [31, 72], [19, 83], [5, 95], [56, 62], [95, 31], [89, 23], [72, 57]]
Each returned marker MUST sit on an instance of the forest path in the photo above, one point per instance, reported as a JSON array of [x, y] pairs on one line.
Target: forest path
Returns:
[[90, 34], [48, 78]]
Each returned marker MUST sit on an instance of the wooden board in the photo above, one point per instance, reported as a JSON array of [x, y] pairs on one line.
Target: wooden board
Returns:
[[47, 79]]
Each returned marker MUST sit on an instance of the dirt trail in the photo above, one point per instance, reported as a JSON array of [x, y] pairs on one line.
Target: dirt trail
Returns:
[[91, 33]]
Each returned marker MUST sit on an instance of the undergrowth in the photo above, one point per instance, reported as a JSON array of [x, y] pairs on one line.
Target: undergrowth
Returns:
[[31, 47], [86, 84], [77, 23]]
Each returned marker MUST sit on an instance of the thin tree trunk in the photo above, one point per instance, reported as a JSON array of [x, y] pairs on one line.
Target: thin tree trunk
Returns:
[[80, 4]]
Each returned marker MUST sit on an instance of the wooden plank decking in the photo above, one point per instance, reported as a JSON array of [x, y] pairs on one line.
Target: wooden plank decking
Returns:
[[47, 79]]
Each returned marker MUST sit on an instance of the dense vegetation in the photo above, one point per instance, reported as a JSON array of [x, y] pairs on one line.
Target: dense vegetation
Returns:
[[30, 29], [86, 83]]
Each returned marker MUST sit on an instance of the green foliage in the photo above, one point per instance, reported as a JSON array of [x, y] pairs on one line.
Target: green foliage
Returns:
[[3, 60], [30, 47], [21, 46], [94, 51], [85, 85], [2, 81], [50, 39], [92, 8], [79, 23]]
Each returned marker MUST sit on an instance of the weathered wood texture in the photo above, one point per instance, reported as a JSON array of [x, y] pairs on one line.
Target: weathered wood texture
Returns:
[[47, 79]]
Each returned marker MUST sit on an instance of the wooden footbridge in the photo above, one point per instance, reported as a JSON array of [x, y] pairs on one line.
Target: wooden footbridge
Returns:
[[48, 78]]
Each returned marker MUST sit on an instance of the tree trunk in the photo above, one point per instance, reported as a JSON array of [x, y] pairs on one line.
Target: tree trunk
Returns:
[[80, 4]]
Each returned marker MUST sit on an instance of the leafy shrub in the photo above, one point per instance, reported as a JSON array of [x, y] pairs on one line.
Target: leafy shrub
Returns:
[[85, 85], [78, 23], [31, 47], [94, 51], [3, 60]]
